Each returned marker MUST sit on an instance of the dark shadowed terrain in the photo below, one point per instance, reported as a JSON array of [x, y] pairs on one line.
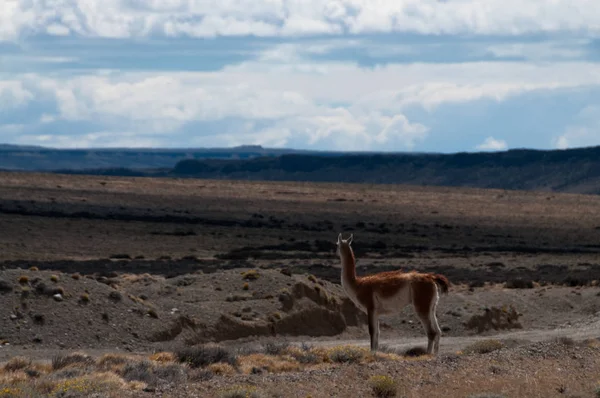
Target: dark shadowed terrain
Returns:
[[133, 264], [573, 170]]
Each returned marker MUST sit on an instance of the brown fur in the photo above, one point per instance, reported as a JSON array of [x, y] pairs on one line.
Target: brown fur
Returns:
[[388, 283], [418, 288]]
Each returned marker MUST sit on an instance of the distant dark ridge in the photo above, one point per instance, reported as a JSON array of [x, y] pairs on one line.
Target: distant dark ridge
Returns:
[[572, 170], [575, 170], [116, 172], [33, 158]]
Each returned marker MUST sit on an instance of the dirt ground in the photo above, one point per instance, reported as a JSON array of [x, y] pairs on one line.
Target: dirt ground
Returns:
[[143, 265]]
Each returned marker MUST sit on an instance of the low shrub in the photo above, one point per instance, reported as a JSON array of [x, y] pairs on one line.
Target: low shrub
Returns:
[[138, 371], [346, 354], [274, 348], [383, 386], [250, 275], [62, 361], [241, 392], [17, 363], [204, 355], [483, 347]]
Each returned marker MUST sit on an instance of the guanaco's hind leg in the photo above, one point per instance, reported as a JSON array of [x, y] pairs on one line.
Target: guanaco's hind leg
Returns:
[[425, 298], [373, 329]]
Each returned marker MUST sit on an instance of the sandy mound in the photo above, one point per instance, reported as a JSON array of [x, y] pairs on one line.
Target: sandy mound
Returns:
[[137, 311], [70, 311], [242, 303]]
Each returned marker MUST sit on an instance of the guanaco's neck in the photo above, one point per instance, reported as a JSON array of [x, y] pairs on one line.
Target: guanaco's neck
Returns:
[[348, 266]]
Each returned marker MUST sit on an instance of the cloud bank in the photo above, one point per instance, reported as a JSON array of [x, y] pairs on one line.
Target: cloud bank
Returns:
[[267, 18], [402, 75]]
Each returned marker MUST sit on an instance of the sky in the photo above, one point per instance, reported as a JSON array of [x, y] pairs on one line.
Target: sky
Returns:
[[376, 75]]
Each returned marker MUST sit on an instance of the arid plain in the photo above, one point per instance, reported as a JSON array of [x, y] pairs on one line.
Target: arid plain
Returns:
[[131, 267]]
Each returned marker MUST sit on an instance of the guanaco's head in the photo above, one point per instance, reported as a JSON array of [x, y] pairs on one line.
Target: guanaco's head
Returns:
[[343, 244]]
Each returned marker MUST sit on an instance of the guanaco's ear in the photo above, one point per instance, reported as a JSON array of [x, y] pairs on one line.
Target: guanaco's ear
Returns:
[[339, 238], [350, 238]]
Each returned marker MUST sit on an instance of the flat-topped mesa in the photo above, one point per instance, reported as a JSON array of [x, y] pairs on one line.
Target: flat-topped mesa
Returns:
[[389, 292]]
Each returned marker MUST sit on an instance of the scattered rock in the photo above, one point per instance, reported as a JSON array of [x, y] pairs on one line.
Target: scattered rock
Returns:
[[5, 286], [115, 296]]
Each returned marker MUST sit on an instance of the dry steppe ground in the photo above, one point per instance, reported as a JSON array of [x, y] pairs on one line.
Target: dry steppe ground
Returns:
[[133, 266]]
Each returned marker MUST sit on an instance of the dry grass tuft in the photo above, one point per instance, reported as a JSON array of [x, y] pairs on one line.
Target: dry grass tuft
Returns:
[[347, 354], [483, 347], [17, 363], [221, 369], [137, 385], [139, 278], [23, 279], [112, 362], [88, 384], [34, 268], [163, 357], [275, 348], [274, 317], [388, 356], [246, 286], [270, 363], [75, 358], [54, 278], [13, 378], [241, 392], [11, 391], [250, 275], [141, 371], [84, 298], [304, 356], [383, 386], [76, 276], [204, 355]]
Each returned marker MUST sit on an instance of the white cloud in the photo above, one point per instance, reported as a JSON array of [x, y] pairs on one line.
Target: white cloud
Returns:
[[110, 139], [492, 144], [579, 136], [540, 51], [57, 30], [13, 94], [11, 129], [209, 18], [585, 132], [277, 102]]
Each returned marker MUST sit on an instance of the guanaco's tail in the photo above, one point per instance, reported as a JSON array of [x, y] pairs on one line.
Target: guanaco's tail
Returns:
[[442, 282]]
